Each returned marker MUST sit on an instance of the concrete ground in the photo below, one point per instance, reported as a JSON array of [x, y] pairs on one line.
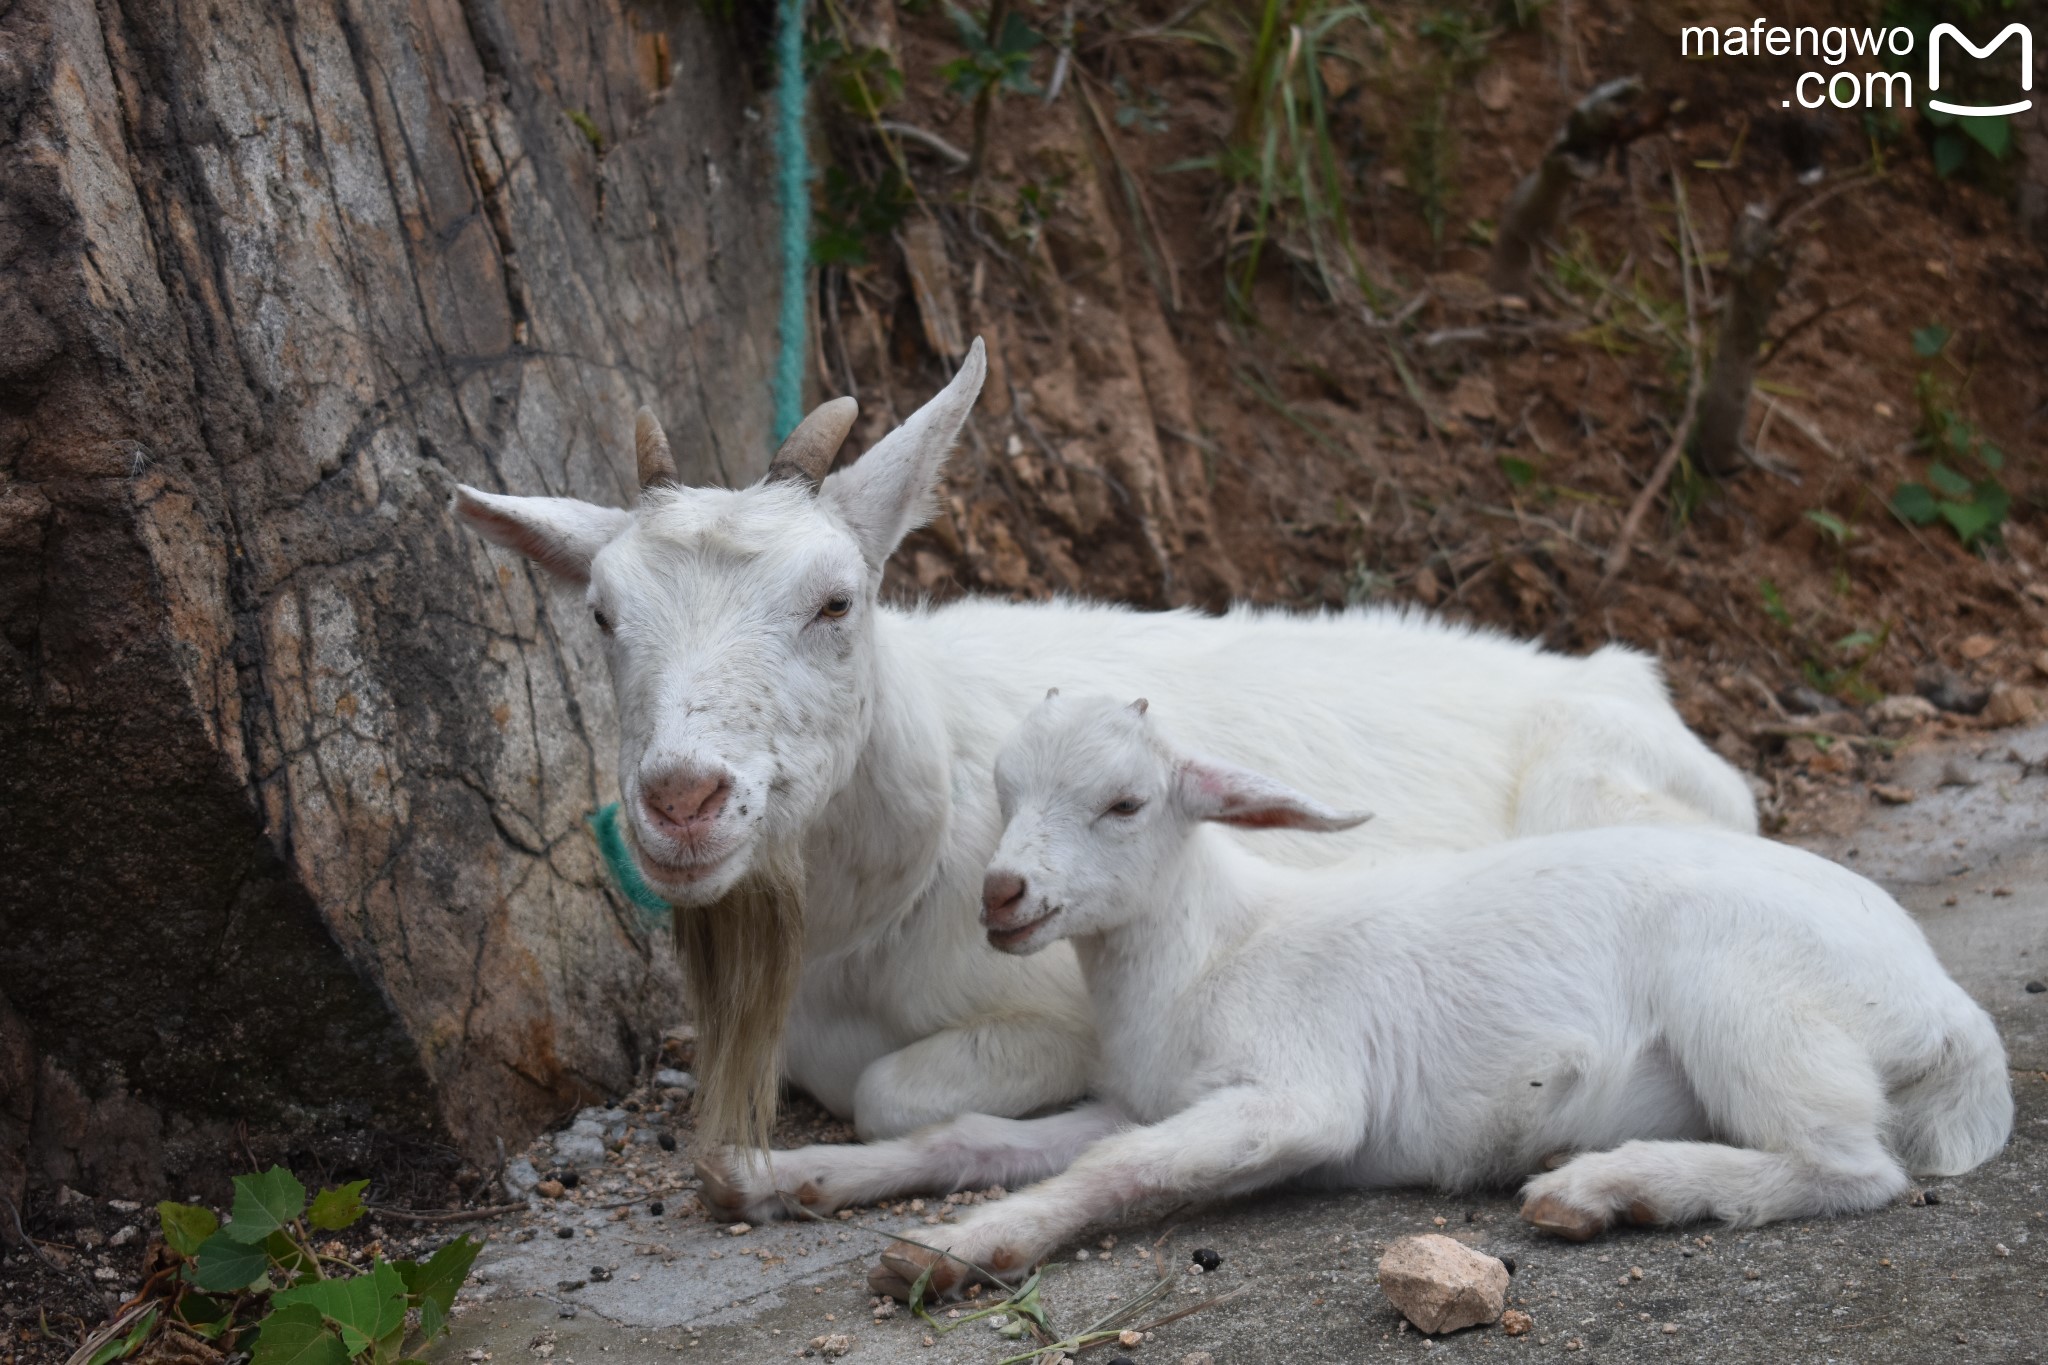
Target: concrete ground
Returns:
[[1961, 1275]]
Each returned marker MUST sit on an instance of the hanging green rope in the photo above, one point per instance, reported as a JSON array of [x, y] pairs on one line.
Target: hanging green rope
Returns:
[[618, 860], [793, 156]]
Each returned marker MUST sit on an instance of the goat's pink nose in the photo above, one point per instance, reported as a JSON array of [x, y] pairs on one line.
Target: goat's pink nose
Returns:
[[684, 803], [1001, 893]]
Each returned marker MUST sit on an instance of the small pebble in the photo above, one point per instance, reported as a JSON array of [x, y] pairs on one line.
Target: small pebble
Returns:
[[565, 1233], [599, 1274], [1670, 1329], [549, 1189], [656, 1208], [739, 1229], [2036, 987], [569, 1286], [667, 1142], [1516, 1323], [1206, 1259], [1752, 1274], [570, 1179]]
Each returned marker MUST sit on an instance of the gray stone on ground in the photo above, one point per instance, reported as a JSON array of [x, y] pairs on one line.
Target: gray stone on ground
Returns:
[[1441, 1285]]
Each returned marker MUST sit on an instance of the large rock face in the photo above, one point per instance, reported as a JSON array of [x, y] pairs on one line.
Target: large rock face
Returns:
[[292, 770]]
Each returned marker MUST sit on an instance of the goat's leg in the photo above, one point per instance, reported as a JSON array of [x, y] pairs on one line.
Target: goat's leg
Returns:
[[1799, 1098], [1239, 1139], [970, 1152], [1010, 1065]]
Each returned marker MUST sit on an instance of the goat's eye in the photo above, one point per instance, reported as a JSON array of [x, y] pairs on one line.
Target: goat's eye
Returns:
[[1130, 805], [836, 606], [604, 623]]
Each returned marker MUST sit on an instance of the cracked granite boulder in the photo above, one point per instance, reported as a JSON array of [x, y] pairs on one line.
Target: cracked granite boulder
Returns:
[[292, 771]]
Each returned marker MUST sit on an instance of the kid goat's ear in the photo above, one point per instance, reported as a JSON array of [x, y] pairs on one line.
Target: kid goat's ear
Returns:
[[1230, 795], [562, 535]]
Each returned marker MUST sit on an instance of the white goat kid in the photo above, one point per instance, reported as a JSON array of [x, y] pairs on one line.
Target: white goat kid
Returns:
[[769, 701], [1725, 1028]]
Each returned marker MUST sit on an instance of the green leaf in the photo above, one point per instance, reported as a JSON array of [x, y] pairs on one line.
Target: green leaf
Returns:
[[1928, 341], [1993, 134], [1969, 521], [121, 1347], [264, 1203], [1838, 531], [365, 1307], [1855, 640], [297, 1335], [1915, 502], [186, 1226], [1951, 149], [226, 1264], [433, 1318], [1991, 456], [1520, 472], [1947, 482], [435, 1281], [334, 1209]]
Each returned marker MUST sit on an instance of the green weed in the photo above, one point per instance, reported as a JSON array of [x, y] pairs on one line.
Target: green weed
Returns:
[[261, 1284], [1963, 489], [1279, 159]]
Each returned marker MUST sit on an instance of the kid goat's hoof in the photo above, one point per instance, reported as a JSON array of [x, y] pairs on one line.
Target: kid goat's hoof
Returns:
[[902, 1265], [1560, 1219]]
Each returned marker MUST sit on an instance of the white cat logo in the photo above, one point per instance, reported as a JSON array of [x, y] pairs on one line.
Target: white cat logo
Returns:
[[1974, 110]]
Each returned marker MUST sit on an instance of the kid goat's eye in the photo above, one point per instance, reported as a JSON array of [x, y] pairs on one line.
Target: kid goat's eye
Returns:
[[836, 606], [604, 623], [1130, 805]]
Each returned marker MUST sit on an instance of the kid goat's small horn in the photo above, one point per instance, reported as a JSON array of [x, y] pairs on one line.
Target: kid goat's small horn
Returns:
[[650, 451], [807, 452]]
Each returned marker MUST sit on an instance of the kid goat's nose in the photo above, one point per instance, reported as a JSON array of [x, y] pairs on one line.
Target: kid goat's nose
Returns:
[[682, 804], [1001, 892]]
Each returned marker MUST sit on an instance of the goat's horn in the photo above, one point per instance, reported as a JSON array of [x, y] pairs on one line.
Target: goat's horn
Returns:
[[807, 452], [650, 451]]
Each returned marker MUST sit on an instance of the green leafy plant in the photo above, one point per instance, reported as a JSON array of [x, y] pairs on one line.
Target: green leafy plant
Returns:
[[998, 49], [262, 1283], [1836, 667], [1963, 489], [1955, 137], [1979, 144], [851, 214], [1279, 160]]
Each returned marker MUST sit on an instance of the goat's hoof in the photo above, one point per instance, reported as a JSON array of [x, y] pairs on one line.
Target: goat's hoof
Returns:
[[902, 1265], [1642, 1215], [719, 1195], [1560, 1219]]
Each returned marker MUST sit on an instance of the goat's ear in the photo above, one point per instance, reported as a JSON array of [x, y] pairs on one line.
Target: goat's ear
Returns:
[[887, 493], [1229, 795], [562, 535]]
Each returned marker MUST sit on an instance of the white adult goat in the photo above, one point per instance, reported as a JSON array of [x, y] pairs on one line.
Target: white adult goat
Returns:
[[773, 711], [1724, 1028]]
